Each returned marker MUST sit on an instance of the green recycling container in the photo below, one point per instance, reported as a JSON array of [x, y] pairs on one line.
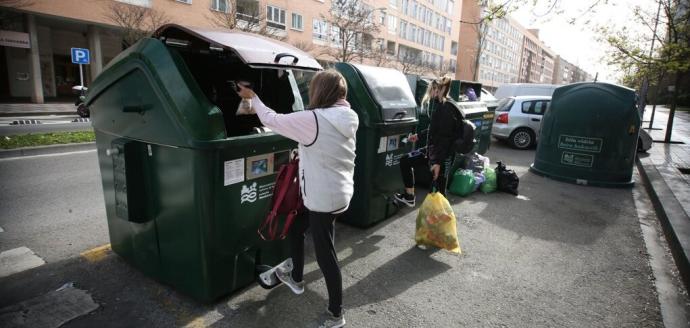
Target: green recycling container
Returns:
[[589, 135], [475, 111], [386, 109], [187, 182]]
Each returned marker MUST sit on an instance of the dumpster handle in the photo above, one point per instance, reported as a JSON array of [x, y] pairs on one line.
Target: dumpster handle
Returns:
[[400, 113], [285, 54]]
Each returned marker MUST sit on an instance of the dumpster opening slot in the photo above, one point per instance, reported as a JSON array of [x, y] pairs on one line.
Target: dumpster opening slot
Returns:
[[214, 73]]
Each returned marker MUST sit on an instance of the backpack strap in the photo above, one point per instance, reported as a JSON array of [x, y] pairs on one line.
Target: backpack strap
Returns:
[[271, 221]]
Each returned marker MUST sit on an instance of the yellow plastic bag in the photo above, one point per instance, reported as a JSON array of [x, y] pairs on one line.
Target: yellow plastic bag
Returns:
[[436, 224]]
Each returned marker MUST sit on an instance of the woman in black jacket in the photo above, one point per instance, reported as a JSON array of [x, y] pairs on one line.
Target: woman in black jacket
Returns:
[[442, 135]]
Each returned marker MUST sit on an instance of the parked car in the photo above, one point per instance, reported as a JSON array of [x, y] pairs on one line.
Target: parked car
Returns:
[[489, 99], [524, 89], [518, 120]]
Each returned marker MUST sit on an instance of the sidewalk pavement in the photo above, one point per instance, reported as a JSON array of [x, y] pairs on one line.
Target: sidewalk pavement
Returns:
[[28, 109], [665, 170]]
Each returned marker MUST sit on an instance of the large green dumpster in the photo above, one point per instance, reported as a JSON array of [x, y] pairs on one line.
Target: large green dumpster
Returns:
[[589, 135], [187, 182], [386, 109]]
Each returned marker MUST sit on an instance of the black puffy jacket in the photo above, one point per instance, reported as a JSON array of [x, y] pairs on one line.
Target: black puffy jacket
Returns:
[[445, 120]]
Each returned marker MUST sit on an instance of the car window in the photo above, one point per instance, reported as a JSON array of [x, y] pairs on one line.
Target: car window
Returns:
[[505, 104], [536, 107], [540, 107]]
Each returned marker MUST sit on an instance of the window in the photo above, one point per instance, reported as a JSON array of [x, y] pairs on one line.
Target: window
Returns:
[[248, 10], [453, 48], [142, 3], [392, 24], [297, 23], [383, 18], [189, 2], [319, 30], [275, 17], [219, 5], [393, 3], [335, 35], [535, 107], [403, 29]]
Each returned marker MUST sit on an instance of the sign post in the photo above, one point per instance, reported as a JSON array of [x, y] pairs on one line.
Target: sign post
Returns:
[[81, 56]]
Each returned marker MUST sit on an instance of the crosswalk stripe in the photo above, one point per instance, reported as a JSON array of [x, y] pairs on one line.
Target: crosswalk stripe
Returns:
[[17, 260]]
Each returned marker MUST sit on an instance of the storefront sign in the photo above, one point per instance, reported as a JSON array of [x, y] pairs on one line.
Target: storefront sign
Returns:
[[14, 39]]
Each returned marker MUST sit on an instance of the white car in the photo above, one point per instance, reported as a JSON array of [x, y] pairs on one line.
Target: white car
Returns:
[[518, 120]]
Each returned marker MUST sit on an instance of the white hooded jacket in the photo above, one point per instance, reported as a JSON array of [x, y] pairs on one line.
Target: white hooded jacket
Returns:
[[326, 138]]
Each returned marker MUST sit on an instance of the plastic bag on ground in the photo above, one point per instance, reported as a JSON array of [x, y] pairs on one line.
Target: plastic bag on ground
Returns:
[[436, 224], [489, 184], [478, 180], [463, 183], [507, 180]]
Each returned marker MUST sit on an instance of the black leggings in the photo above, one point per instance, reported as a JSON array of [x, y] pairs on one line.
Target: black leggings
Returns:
[[322, 226], [418, 160]]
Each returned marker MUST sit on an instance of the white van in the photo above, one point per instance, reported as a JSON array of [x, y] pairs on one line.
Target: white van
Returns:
[[524, 89]]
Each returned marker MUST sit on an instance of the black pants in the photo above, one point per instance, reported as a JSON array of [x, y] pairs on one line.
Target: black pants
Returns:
[[419, 161], [322, 226]]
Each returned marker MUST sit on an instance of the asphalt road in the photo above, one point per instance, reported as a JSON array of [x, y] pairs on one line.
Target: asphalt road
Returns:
[[52, 204], [49, 123], [559, 255]]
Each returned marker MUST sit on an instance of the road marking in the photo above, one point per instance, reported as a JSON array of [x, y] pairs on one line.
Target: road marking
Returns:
[[52, 309], [96, 254], [48, 155], [17, 260], [205, 320]]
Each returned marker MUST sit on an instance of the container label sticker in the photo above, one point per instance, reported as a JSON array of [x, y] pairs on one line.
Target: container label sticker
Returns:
[[574, 159], [392, 143], [591, 145], [248, 193], [382, 145], [233, 172]]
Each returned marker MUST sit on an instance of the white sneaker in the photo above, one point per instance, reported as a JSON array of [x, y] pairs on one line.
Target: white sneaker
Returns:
[[286, 278], [333, 322]]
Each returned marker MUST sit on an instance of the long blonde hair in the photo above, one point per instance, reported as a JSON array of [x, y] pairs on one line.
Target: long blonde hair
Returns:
[[443, 88], [430, 92]]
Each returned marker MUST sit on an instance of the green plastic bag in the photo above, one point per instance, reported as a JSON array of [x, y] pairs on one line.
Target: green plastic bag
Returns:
[[489, 184], [463, 183]]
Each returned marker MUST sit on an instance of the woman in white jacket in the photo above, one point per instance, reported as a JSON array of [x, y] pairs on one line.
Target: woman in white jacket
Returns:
[[326, 137]]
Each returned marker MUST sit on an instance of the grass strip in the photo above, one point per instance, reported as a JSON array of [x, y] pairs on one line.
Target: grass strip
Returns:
[[44, 139]]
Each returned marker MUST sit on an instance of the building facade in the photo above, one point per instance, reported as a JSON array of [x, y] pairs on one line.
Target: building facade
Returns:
[[565, 72], [35, 63], [536, 61], [500, 56]]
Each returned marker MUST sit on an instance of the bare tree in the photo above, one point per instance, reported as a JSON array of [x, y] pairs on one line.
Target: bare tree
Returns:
[[352, 25], [410, 62], [244, 15], [137, 22]]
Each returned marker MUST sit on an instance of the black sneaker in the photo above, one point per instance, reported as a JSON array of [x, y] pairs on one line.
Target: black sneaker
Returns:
[[405, 198]]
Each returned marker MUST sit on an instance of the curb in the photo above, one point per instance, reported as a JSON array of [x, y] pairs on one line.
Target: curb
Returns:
[[674, 221], [23, 114], [43, 150]]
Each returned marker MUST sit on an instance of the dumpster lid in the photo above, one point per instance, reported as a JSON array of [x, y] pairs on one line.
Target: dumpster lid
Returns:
[[253, 50]]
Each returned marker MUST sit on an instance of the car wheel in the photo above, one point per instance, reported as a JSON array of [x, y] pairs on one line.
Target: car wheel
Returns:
[[521, 138]]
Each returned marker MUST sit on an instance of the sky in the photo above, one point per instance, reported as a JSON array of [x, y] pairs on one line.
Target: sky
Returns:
[[577, 43]]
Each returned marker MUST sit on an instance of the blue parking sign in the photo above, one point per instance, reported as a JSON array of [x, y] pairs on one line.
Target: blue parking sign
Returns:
[[80, 56]]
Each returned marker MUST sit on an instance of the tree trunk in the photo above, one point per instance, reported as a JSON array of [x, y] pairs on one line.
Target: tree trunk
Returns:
[[672, 113]]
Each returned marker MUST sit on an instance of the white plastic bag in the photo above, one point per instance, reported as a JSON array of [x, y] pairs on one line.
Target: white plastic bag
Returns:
[[245, 107]]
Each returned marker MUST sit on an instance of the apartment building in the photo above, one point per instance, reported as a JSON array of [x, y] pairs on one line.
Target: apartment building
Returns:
[[500, 56], [35, 61], [536, 62], [565, 72]]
